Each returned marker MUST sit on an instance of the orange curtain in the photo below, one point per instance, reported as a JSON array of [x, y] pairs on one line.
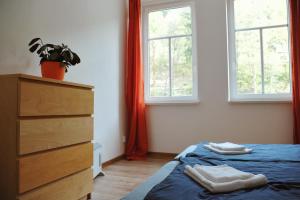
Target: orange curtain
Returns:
[[295, 58], [137, 139]]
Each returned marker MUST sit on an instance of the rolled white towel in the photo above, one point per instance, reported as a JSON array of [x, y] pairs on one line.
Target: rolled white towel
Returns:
[[245, 151], [255, 181], [228, 146], [222, 173]]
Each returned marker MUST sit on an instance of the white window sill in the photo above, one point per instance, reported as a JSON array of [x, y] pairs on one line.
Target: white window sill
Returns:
[[163, 101], [281, 99]]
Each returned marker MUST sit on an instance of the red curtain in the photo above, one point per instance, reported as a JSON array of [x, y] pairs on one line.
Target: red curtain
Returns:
[[137, 139], [295, 57]]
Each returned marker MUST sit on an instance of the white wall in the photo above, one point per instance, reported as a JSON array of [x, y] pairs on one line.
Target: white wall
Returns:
[[173, 127], [95, 29]]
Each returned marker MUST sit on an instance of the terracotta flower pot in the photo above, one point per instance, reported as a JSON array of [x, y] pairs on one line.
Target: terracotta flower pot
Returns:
[[54, 70]]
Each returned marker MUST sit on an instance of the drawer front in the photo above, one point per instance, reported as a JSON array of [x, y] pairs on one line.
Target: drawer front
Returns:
[[37, 170], [43, 134], [70, 188], [40, 99]]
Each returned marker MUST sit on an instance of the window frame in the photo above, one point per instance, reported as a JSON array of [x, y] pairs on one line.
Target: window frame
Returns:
[[161, 5], [233, 95]]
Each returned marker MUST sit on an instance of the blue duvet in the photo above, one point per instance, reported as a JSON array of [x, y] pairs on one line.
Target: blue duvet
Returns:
[[279, 163]]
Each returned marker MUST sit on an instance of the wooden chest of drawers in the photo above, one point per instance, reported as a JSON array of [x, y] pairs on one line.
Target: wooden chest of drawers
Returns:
[[46, 128]]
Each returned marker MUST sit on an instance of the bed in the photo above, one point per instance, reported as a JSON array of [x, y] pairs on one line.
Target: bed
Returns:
[[280, 163]]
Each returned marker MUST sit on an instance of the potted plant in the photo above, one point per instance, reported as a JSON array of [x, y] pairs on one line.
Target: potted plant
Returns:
[[55, 59]]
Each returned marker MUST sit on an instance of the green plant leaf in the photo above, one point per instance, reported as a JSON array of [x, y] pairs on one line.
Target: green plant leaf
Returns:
[[76, 58], [34, 40], [42, 55], [70, 54], [56, 47], [66, 56], [54, 56], [50, 45], [51, 52], [34, 47], [43, 48]]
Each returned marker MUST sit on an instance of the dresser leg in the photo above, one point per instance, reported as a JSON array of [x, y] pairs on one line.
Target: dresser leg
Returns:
[[89, 196]]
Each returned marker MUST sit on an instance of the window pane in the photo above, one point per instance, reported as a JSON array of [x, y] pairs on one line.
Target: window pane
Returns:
[[276, 59], [248, 62], [256, 13], [170, 22], [159, 68], [182, 70]]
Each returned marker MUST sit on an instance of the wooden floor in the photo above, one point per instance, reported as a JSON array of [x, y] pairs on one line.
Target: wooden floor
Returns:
[[123, 176]]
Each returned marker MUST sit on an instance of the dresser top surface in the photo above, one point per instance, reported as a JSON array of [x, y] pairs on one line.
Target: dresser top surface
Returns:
[[49, 80]]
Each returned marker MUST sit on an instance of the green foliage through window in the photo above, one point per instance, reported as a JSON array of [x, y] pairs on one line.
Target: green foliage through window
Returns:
[[170, 52], [261, 47]]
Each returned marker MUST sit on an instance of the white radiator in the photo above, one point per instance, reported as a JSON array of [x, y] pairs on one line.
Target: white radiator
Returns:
[[97, 165]]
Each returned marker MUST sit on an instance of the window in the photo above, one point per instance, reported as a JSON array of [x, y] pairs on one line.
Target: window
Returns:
[[258, 43], [169, 53]]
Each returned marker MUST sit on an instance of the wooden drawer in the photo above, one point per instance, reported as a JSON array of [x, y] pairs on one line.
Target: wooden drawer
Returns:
[[37, 170], [43, 134], [70, 188], [42, 99]]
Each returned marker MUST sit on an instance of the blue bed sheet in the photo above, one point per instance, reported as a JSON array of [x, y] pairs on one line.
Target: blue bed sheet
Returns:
[[280, 163], [261, 152]]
